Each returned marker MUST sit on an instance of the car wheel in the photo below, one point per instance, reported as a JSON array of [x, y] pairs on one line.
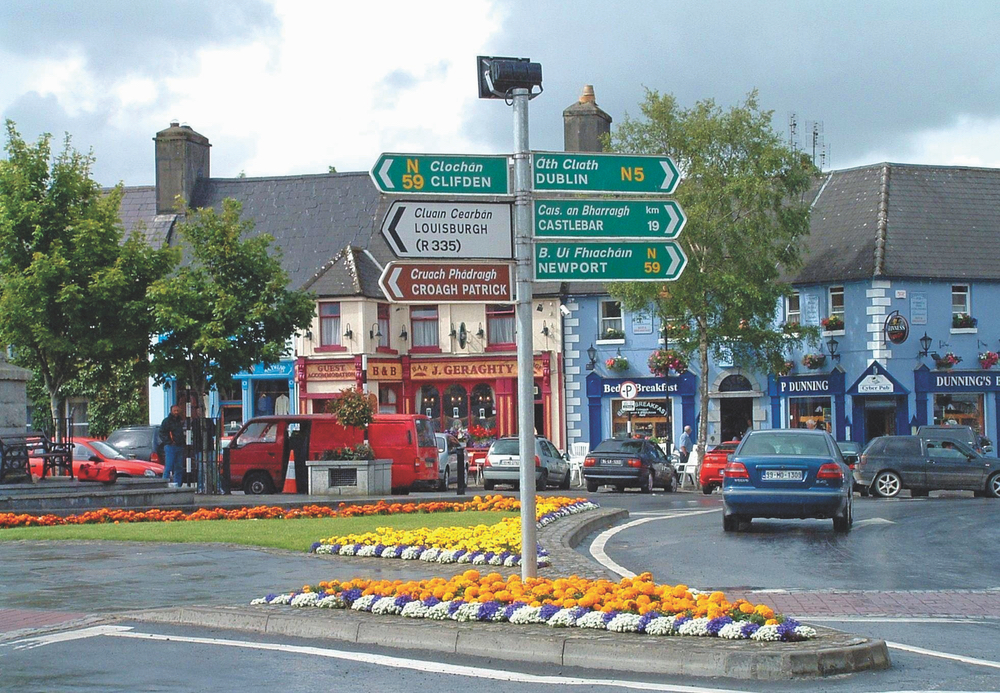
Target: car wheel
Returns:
[[487, 485], [257, 483], [845, 521], [445, 481], [648, 486], [734, 523], [993, 486], [671, 484], [592, 486], [543, 481], [887, 484], [565, 482], [707, 489]]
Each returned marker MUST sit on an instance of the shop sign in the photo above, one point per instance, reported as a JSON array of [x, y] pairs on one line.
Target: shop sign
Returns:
[[918, 308], [962, 382], [803, 387], [331, 370], [385, 371], [875, 384], [896, 328], [642, 409], [282, 369], [467, 369], [659, 387]]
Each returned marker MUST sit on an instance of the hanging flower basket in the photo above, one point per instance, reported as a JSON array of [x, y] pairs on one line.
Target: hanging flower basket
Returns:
[[480, 437], [786, 368], [963, 320], [662, 361], [988, 359], [617, 363], [833, 323], [813, 361], [947, 361]]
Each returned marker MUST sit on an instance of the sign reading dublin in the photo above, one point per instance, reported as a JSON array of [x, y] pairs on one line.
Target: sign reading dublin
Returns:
[[609, 173]]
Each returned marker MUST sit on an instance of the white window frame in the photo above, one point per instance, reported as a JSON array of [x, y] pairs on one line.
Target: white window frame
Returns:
[[797, 313], [607, 323], [831, 309], [967, 307]]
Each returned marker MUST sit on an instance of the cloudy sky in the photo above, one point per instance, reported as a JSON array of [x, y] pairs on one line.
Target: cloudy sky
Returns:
[[294, 86]]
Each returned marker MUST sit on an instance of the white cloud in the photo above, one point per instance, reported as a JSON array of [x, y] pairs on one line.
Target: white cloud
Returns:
[[969, 141]]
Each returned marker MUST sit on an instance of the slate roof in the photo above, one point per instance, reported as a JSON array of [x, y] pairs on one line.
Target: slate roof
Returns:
[[351, 272], [904, 220], [138, 213]]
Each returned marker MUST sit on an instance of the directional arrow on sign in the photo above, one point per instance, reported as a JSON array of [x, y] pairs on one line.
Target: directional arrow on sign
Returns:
[[441, 230], [607, 173], [437, 174], [584, 261], [447, 282], [576, 218]]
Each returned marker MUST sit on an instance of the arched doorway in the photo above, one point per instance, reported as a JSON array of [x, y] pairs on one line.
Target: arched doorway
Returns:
[[735, 412]]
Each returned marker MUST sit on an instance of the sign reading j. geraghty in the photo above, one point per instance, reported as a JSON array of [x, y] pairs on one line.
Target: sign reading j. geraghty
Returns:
[[449, 230]]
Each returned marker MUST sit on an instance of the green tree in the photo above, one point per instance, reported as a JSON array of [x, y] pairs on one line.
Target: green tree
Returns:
[[72, 286], [227, 307], [744, 193]]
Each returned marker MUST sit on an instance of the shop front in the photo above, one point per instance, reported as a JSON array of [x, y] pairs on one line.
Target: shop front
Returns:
[[880, 405], [653, 412], [321, 380], [809, 401], [958, 398], [263, 391]]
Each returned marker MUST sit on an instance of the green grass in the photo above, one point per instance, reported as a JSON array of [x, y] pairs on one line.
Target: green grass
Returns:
[[295, 535]]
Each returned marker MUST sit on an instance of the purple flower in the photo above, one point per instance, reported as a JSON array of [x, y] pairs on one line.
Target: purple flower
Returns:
[[431, 601], [315, 545], [460, 553], [505, 555], [715, 625], [399, 551], [579, 612], [335, 548], [645, 619], [511, 609], [749, 629], [548, 611], [487, 611], [609, 616], [379, 548], [351, 595], [489, 556], [269, 598], [453, 607], [402, 600], [786, 630], [678, 620]]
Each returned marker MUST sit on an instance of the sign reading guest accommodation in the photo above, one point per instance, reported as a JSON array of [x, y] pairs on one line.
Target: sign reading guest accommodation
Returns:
[[441, 174], [447, 282], [607, 173], [440, 230], [585, 261], [330, 370], [573, 218]]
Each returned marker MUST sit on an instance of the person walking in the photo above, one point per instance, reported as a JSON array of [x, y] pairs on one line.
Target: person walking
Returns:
[[684, 450], [172, 439]]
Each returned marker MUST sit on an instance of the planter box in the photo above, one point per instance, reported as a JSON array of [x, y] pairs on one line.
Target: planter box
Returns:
[[350, 477]]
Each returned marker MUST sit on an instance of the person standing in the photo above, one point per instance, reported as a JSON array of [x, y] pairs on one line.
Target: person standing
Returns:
[[172, 439], [684, 451]]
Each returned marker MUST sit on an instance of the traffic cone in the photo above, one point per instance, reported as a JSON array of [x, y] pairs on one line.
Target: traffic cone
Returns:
[[290, 484]]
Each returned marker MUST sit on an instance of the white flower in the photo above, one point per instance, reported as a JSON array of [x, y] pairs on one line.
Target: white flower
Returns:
[[696, 626], [447, 556], [386, 605], [765, 633], [324, 548], [439, 611], [467, 612], [333, 601], [258, 602], [731, 631], [367, 551], [411, 553], [480, 559], [805, 632], [465, 558], [526, 614], [364, 603], [282, 599], [346, 550], [563, 618], [595, 619], [415, 609], [389, 552], [430, 555], [661, 626], [624, 623], [496, 560], [305, 599], [512, 561]]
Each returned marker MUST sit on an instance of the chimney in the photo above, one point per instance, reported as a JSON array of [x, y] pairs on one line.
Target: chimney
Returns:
[[181, 159], [584, 123]]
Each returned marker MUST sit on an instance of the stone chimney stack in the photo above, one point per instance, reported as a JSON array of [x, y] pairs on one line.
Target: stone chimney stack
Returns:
[[584, 123], [181, 159]]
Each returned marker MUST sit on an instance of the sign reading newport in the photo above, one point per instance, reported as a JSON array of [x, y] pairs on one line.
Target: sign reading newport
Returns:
[[447, 282], [600, 262], [459, 230], [442, 174], [572, 218], [608, 173]]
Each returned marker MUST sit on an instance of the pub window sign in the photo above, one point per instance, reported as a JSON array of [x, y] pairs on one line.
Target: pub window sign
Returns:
[[896, 328]]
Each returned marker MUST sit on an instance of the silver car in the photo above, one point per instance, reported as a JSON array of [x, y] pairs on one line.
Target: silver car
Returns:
[[448, 447], [502, 465]]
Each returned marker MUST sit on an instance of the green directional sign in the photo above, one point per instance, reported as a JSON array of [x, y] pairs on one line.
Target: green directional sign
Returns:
[[575, 218], [601, 262], [608, 173], [441, 174]]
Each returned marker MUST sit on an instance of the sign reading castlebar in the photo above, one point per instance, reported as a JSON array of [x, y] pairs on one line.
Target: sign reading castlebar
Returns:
[[447, 282]]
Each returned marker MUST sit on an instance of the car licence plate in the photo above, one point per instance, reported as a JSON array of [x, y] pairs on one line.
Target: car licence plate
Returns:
[[782, 475], [611, 463], [506, 463]]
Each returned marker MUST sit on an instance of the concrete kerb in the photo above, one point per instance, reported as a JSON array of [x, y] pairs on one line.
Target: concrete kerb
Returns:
[[831, 652]]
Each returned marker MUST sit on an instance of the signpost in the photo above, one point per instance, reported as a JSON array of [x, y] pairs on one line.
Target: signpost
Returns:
[[437, 230], [575, 218], [441, 174], [584, 261], [447, 282], [607, 173]]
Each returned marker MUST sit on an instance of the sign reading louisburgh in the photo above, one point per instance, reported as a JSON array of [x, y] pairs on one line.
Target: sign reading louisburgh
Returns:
[[600, 262], [439, 230], [610, 173], [447, 282], [445, 174], [571, 218]]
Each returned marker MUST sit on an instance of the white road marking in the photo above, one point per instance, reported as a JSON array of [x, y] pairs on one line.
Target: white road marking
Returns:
[[597, 547], [899, 619], [872, 521], [427, 666], [64, 636], [943, 655]]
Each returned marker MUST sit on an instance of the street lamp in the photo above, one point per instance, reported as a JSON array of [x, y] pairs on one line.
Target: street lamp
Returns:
[[375, 332], [925, 346], [831, 346], [592, 355]]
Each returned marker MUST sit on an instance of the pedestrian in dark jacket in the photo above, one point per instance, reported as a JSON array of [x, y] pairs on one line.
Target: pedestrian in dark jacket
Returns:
[[172, 439]]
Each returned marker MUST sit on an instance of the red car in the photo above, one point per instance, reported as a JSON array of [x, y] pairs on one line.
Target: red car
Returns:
[[712, 465], [91, 451]]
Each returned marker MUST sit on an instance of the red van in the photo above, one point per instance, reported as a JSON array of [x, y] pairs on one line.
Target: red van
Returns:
[[259, 452]]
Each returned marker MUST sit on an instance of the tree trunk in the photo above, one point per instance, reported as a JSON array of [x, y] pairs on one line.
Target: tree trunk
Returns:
[[699, 450], [55, 408]]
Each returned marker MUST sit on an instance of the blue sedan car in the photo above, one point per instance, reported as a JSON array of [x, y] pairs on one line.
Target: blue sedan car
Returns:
[[787, 473]]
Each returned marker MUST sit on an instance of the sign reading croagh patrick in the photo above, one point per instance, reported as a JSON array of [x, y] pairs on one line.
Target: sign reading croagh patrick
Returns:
[[610, 173], [439, 230], [447, 282], [442, 174], [583, 261]]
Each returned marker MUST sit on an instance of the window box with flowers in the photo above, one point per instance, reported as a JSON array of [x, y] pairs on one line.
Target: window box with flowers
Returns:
[[813, 361], [947, 361], [833, 325], [612, 336], [963, 323], [663, 361], [617, 363], [988, 359]]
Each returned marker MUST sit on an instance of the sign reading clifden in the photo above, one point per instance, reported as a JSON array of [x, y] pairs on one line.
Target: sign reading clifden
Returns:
[[582, 261], [441, 174], [574, 218], [447, 282], [608, 173], [439, 230]]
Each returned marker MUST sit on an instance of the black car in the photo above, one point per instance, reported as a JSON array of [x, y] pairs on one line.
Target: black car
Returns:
[[963, 434], [138, 442], [632, 462], [892, 463]]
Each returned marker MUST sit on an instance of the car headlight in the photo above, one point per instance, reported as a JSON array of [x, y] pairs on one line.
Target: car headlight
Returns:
[[149, 472]]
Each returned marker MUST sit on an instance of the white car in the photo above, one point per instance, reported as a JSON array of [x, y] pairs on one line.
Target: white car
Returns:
[[448, 447], [502, 465]]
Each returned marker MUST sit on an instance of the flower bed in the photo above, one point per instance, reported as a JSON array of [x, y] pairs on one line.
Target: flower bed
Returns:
[[544, 506], [498, 544], [634, 605]]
